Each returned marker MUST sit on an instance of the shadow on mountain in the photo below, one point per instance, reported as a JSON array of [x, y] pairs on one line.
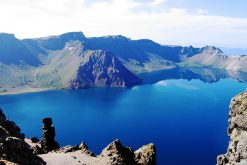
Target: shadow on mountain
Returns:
[[209, 75]]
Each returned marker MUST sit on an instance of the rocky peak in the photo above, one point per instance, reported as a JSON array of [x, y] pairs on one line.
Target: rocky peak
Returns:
[[119, 154], [146, 155], [189, 51], [211, 50], [9, 127], [74, 36], [2, 116]]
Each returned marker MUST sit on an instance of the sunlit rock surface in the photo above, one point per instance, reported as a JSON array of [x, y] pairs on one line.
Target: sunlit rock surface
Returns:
[[237, 131]]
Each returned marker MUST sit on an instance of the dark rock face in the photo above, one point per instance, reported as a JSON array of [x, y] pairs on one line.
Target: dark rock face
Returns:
[[48, 142], [13, 148], [103, 70], [237, 130], [190, 51]]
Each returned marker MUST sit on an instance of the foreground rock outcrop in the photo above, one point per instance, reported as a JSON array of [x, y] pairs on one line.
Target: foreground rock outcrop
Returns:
[[13, 148], [16, 150], [114, 154], [237, 149]]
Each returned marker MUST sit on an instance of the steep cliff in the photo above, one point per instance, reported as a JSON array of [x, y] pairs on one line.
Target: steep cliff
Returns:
[[103, 69], [237, 131]]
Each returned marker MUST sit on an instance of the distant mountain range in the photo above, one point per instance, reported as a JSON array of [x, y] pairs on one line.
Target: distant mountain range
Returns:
[[72, 60]]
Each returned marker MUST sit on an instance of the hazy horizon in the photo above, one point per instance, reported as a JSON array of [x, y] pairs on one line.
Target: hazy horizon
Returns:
[[177, 22]]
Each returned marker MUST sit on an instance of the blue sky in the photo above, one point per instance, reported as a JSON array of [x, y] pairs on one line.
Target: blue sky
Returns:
[[230, 8], [172, 22]]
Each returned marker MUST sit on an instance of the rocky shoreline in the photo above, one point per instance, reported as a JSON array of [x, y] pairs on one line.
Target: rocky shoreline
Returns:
[[237, 131], [15, 149]]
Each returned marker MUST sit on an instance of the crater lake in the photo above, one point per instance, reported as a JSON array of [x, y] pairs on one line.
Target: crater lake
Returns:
[[186, 120]]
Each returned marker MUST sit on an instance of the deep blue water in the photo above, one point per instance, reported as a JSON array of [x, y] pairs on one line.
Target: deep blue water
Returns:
[[187, 120]]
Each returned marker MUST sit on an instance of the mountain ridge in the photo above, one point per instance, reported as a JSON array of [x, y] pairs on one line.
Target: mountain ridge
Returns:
[[54, 62]]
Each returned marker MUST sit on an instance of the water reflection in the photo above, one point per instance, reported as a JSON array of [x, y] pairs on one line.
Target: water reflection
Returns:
[[209, 75]]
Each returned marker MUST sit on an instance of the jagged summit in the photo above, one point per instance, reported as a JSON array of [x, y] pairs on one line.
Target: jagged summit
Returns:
[[212, 49]]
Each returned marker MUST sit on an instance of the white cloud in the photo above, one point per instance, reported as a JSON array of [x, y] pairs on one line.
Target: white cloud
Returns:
[[35, 18], [158, 2], [202, 11]]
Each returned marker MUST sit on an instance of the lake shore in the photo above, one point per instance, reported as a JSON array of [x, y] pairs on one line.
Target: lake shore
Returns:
[[21, 90]]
